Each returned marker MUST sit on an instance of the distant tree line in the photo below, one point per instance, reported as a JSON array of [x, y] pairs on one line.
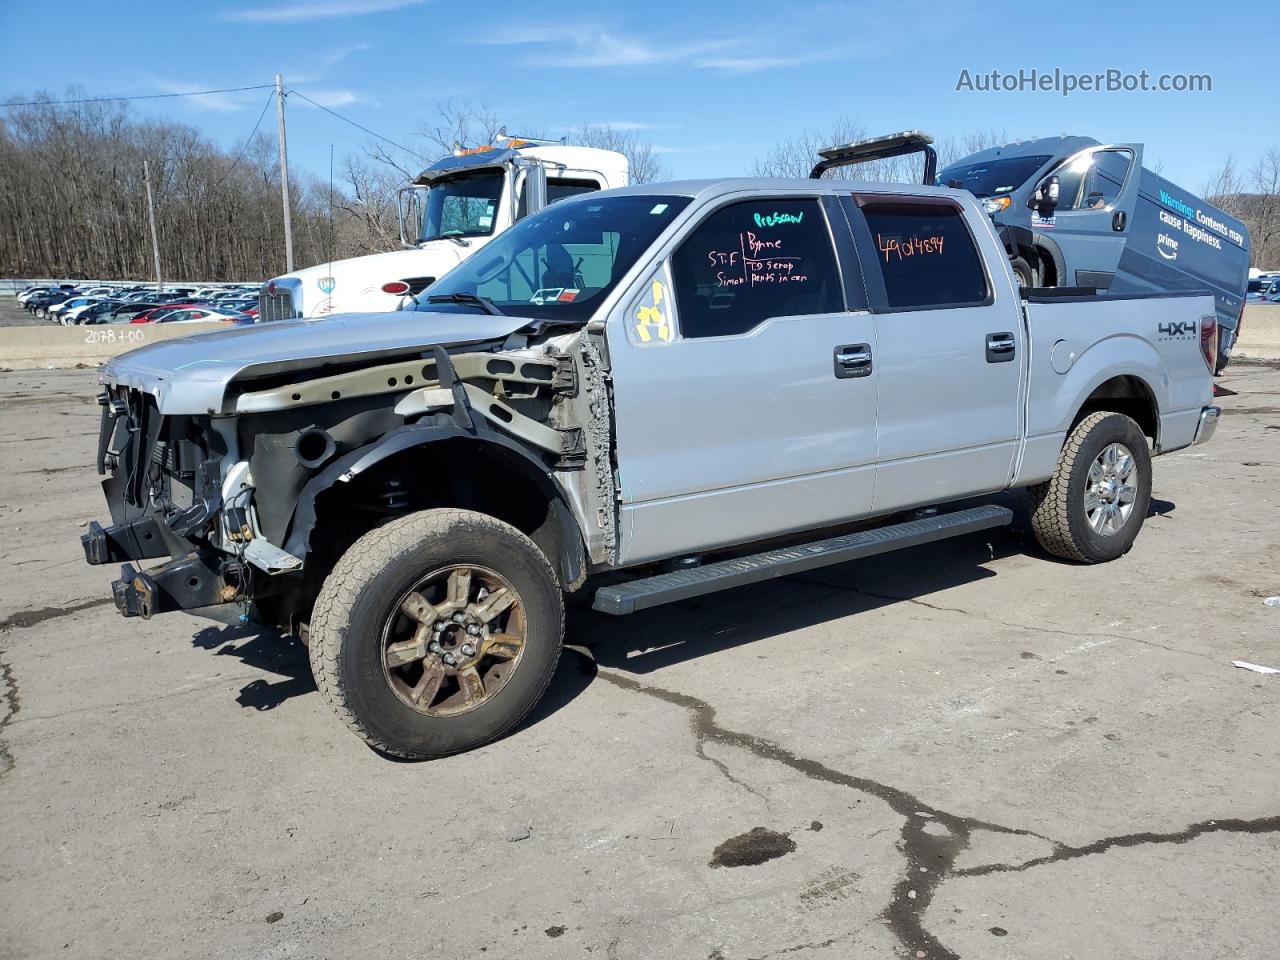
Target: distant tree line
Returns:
[[73, 202], [1252, 195]]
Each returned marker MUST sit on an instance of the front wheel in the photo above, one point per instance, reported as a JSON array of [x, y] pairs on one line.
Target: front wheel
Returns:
[[1093, 506], [436, 633], [1023, 273]]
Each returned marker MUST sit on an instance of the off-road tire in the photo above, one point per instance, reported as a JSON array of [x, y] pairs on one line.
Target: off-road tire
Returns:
[[345, 638], [1058, 515], [1022, 272]]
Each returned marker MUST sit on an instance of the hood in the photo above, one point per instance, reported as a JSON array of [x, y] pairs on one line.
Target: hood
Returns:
[[190, 375], [356, 283]]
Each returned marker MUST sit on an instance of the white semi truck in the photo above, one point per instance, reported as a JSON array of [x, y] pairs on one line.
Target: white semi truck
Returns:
[[453, 208]]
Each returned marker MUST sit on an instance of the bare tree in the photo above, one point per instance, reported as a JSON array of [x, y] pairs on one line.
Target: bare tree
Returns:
[[643, 161], [460, 123]]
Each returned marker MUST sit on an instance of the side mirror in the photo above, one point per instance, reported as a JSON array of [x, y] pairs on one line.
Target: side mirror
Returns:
[[535, 188], [410, 206], [1045, 199]]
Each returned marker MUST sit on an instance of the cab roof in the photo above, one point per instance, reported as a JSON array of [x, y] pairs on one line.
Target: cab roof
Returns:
[[710, 188], [1054, 147]]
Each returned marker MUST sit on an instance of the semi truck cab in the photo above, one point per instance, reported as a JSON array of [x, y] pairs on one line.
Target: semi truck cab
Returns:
[[451, 210]]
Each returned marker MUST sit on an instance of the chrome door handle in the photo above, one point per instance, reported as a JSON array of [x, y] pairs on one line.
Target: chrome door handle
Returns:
[[1000, 347], [852, 360]]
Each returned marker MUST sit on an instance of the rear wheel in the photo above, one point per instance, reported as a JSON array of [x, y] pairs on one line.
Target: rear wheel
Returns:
[[1093, 507], [436, 633]]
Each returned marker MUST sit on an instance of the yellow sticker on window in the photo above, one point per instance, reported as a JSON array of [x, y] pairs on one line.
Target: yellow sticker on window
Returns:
[[652, 322]]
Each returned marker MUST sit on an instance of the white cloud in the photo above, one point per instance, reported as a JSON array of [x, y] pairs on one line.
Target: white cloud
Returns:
[[328, 98], [214, 102], [588, 46], [294, 12]]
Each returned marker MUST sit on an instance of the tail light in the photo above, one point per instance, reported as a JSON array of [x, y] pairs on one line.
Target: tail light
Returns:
[[395, 287], [1209, 341]]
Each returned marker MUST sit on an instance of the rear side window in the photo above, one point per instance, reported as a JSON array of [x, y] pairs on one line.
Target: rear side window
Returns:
[[753, 260], [926, 254]]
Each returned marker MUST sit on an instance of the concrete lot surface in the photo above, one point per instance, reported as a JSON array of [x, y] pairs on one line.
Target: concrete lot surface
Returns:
[[963, 750]]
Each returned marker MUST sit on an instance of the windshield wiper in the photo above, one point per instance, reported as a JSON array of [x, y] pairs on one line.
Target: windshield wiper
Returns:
[[470, 299], [456, 238]]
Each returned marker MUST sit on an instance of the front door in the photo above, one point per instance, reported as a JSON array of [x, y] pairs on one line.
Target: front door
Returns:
[[744, 387], [1098, 192]]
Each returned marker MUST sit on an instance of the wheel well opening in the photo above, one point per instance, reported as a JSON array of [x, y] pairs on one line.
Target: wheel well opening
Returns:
[[1128, 395], [1041, 261], [460, 473]]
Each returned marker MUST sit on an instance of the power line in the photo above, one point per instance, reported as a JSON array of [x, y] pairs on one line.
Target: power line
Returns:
[[358, 126], [146, 96], [245, 148]]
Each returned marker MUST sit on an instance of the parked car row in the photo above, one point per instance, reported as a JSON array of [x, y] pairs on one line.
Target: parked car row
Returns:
[[72, 304], [1264, 288]]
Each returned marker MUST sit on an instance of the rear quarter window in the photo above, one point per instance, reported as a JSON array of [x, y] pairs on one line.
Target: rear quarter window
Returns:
[[926, 254]]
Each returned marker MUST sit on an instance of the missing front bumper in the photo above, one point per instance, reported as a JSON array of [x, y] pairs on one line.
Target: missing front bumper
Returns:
[[186, 583]]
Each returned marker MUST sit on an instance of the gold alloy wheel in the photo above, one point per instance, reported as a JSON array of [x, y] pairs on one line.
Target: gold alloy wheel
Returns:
[[454, 640]]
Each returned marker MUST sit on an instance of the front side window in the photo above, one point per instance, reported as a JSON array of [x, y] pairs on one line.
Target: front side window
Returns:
[[558, 188], [463, 206], [1105, 178], [753, 260], [1093, 179], [926, 254], [559, 264]]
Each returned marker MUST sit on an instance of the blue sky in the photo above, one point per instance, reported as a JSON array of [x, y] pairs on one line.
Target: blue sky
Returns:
[[712, 84]]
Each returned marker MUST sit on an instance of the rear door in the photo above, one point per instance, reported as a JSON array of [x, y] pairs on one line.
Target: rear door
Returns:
[[1098, 192], [743, 383], [949, 349]]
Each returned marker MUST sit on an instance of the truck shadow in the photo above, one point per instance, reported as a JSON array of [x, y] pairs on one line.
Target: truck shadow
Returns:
[[664, 636], [688, 630], [262, 649]]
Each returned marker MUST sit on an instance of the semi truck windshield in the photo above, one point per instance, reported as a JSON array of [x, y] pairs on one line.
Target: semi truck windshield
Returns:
[[463, 206], [992, 178]]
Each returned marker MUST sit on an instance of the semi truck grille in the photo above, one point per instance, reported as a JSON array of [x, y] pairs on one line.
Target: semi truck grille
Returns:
[[276, 306]]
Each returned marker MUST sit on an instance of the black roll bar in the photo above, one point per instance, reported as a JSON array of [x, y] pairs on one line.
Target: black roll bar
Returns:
[[880, 148]]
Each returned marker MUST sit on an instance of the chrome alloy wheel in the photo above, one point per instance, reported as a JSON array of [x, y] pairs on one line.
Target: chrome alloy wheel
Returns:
[[1110, 490], [454, 640]]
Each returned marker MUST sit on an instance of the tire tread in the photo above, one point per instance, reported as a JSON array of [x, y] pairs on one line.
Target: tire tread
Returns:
[[331, 615]]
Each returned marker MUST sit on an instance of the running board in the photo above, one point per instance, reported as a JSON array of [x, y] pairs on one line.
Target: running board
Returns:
[[654, 591]]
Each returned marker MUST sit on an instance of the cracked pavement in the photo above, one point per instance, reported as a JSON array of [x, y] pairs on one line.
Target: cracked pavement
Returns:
[[975, 751]]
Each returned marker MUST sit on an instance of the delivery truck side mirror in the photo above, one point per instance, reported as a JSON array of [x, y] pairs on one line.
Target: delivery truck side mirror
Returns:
[[1045, 199]]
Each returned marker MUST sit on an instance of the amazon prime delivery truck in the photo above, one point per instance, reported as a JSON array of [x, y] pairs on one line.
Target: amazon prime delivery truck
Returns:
[[1073, 212]]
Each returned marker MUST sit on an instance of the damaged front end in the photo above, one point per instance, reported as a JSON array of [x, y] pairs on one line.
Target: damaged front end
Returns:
[[163, 485], [255, 496]]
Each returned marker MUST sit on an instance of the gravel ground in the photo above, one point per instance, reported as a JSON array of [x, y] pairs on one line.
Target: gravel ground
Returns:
[[962, 750]]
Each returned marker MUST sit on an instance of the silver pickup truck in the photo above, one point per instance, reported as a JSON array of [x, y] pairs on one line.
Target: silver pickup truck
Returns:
[[685, 387]]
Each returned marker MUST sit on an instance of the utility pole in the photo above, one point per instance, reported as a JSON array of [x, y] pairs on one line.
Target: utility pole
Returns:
[[284, 177], [151, 215]]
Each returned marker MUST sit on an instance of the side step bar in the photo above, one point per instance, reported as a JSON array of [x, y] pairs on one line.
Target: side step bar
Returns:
[[654, 591]]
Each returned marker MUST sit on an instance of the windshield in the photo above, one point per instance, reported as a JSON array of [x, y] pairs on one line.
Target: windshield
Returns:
[[463, 206], [992, 178], [561, 263]]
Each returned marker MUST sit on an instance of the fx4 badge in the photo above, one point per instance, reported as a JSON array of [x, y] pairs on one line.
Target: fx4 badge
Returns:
[[1182, 330]]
